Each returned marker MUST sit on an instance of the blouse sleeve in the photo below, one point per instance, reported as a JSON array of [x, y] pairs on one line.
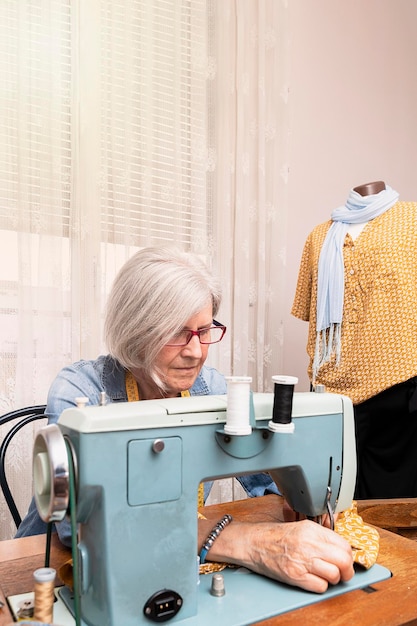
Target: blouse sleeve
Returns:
[[305, 299], [302, 299]]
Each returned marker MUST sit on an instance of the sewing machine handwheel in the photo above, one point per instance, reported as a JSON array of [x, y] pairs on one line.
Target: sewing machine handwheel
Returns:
[[51, 474]]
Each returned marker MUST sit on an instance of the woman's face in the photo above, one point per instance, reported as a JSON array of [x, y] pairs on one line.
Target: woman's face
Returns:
[[179, 366]]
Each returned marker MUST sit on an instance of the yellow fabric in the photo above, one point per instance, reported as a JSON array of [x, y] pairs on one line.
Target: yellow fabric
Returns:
[[363, 539], [379, 314]]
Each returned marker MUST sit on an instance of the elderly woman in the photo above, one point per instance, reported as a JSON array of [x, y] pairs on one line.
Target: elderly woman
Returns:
[[158, 327]]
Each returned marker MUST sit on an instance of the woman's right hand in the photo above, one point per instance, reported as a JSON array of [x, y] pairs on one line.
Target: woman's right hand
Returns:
[[302, 554]]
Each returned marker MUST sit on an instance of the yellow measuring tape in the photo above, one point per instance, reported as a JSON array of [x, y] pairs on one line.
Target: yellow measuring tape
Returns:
[[132, 392]]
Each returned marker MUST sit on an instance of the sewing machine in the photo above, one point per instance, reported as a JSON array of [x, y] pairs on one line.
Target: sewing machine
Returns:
[[137, 469]]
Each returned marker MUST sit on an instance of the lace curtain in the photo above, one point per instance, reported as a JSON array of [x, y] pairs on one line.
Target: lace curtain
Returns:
[[125, 124], [248, 147]]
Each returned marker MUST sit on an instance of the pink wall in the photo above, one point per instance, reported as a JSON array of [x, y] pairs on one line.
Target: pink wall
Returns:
[[353, 119]]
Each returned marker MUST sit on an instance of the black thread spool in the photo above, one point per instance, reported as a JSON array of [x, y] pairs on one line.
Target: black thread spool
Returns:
[[282, 408]]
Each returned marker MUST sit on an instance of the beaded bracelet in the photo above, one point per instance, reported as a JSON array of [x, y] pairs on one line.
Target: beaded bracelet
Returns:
[[221, 524]]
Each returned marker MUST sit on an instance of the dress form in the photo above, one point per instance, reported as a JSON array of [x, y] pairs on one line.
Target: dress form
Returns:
[[366, 189]]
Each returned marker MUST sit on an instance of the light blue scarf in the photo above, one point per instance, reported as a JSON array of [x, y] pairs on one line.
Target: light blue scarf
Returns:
[[330, 287]]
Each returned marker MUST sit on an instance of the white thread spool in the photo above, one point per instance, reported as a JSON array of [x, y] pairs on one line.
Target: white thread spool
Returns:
[[238, 405]]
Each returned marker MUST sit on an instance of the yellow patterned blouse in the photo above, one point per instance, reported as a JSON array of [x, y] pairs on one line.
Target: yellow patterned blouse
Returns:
[[379, 328]]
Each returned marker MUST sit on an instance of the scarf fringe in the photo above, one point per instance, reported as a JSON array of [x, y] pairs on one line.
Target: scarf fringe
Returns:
[[328, 344]]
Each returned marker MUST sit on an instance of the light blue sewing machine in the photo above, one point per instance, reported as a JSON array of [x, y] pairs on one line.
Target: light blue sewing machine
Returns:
[[137, 470]]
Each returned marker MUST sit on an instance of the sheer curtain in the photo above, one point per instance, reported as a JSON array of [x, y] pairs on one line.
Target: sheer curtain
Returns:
[[126, 123], [35, 186], [249, 139]]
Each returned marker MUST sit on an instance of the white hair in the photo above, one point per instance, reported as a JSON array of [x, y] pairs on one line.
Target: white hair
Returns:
[[152, 297]]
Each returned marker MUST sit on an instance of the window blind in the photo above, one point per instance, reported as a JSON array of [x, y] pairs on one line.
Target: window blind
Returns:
[[153, 121], [150, 90], [35, 116]]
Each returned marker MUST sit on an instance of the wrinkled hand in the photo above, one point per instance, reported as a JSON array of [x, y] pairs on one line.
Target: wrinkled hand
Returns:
[[302, 554]]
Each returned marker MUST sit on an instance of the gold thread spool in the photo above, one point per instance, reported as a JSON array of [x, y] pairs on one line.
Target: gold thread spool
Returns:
[[44, 594]]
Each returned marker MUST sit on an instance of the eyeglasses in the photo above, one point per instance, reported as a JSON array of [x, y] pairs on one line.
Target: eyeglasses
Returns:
[[213, 334]]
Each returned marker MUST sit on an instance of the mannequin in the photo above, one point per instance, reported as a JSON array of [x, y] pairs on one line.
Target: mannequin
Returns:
[[375, 361], [368, 189]]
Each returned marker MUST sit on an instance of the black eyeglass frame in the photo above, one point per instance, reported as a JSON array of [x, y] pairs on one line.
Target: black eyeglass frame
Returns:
[[197, 333]]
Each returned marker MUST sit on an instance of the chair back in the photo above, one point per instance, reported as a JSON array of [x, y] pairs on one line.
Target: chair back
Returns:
[[25, 416]]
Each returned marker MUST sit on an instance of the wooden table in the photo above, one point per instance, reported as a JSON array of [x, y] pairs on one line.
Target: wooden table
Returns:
[[18, 560], [392, 602], [399, 515]]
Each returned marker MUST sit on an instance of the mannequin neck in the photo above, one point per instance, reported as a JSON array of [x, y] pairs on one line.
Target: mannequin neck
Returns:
[[368, 189]]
